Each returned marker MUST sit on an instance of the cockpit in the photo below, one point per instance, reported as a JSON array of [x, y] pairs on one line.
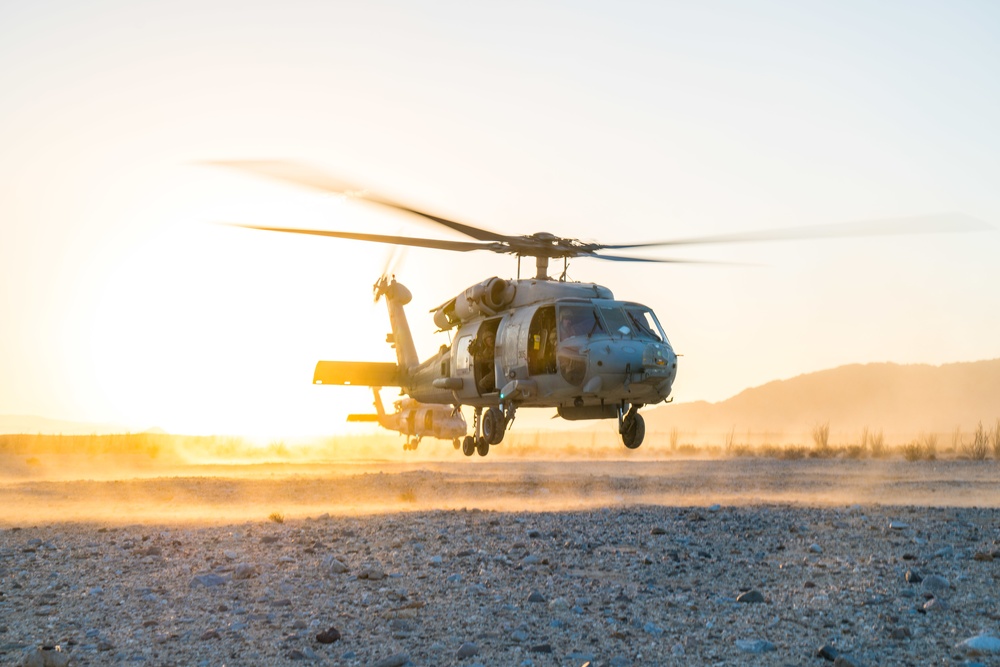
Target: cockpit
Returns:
[[617, 319], [562, 336]]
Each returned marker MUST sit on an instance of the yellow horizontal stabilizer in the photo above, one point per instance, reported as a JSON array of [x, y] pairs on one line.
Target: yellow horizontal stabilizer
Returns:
[[364, 373], [362, 418]]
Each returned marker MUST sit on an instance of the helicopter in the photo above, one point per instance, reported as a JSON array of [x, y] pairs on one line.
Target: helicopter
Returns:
[[539, 342], [417, 420]]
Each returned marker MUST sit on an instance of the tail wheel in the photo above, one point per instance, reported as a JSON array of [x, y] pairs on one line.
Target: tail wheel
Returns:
[[633, 430], [468, 445], [483, 446], [493, 426]]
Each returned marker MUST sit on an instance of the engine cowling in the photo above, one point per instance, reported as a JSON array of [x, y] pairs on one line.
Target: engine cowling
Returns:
[[486, 298]]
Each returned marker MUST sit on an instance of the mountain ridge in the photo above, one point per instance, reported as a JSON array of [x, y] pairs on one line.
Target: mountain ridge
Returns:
[[900, 399]]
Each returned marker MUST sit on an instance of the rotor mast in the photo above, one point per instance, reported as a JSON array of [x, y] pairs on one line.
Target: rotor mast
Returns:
[[541, 267]]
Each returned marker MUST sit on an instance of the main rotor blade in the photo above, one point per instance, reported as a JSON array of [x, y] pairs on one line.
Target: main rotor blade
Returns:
[[460, 246], [926, 224], [622, 258], [311, 177]]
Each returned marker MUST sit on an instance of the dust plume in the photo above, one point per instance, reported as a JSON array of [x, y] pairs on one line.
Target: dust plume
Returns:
[[137, 479]]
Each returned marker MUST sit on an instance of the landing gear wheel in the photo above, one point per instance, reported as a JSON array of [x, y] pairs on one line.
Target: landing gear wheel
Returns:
[[493, 426], [468, 445], [633, 430], [483, 447], [456, 443]]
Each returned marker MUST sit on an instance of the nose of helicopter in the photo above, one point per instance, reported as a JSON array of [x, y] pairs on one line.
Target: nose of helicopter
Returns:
[[659, 367], [639, 371]]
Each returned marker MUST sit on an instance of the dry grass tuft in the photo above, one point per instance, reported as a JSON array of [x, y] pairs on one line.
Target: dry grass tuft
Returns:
[[821, 441], [979, 448]]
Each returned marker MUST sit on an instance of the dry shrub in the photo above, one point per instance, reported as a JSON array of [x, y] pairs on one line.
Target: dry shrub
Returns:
[[793, 453], [821, 436], [923, 448], [979, 448], [855, 451], [913, 451], [276, 517], [740, 450], [769, 451]]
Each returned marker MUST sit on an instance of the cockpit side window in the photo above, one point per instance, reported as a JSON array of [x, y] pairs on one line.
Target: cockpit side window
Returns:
[[645, 323], [578, 320]]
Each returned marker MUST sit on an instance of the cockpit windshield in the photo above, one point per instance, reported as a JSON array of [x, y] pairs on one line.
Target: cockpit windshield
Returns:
[[616, 320], [578, 320]]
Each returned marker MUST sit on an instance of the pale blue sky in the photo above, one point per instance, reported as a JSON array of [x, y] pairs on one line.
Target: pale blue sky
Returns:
[[609, 121]]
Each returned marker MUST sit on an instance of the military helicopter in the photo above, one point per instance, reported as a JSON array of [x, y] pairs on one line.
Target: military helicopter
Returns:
[[417, 420], [539, 342]]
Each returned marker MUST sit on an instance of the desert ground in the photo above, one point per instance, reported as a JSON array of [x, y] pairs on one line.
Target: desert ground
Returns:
[[495, 562]]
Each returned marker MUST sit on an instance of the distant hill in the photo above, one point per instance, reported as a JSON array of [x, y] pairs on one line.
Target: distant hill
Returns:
[[32, 424], [902, 400]]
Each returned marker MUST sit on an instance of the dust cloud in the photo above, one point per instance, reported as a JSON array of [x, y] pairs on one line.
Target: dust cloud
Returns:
[[138, 479]]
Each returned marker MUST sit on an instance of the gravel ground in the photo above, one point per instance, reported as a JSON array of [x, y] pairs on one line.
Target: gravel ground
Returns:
[[626, 584]]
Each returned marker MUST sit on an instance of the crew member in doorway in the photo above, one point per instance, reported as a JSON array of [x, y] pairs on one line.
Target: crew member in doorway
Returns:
[[487, 350]]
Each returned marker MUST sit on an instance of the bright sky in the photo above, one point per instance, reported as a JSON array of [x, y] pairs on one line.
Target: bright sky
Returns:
[[617, 122]]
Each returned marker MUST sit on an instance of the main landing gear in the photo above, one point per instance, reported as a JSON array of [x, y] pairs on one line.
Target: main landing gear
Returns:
[[411, 444], [488, 429], [631, 425]]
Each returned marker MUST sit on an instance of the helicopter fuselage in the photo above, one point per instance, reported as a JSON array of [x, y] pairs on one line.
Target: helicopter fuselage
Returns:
[[569, 346]]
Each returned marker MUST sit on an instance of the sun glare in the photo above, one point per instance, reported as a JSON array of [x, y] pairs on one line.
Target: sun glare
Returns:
[[184, 341]]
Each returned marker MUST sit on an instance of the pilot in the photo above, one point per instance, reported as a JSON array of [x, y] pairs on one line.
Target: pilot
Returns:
[[566, 327]]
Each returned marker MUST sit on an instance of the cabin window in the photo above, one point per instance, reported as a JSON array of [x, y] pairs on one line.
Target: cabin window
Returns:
[[463, 358]]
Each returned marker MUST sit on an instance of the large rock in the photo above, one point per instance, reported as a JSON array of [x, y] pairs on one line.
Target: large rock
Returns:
[[332, 565], [750, 597]]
